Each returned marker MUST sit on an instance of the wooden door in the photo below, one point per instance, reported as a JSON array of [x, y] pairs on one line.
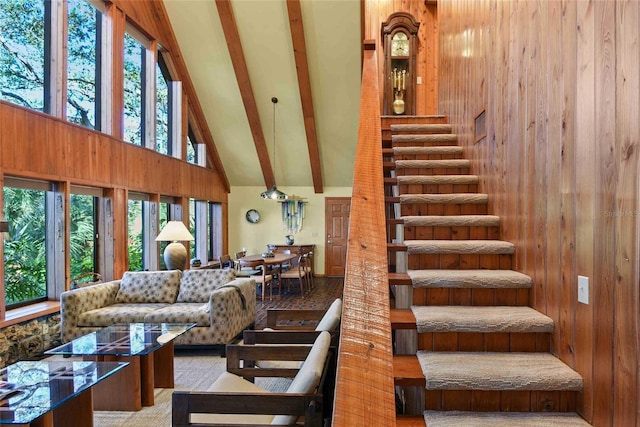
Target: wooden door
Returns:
[[336, 232]]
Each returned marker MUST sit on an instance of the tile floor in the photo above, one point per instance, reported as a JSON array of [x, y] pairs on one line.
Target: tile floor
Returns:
[[325, 291]]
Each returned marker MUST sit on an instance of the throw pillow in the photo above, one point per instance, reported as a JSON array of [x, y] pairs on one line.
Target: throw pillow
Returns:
[[149, 287], [197, 285]]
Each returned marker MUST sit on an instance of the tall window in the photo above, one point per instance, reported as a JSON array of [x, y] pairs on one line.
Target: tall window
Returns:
[[83, 62], [135, 228], [82, 235], [25, 249], [134, 53], [163, 217], [22, 53], [163, 140]]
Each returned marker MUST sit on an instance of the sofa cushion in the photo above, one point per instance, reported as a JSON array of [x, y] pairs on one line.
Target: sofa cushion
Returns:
[[198, 285], [149, 287], [181, 312], [117, 313]]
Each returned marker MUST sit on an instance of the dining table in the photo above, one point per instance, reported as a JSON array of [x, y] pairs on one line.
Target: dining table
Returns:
[[277, 258]]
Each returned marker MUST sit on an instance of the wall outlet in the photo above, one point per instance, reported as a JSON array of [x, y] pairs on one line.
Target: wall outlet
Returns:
[[419, 80], [583, 289]]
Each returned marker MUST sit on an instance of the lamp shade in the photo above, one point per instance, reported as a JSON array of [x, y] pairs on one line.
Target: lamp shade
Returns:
[[274, 194], [174, 231]]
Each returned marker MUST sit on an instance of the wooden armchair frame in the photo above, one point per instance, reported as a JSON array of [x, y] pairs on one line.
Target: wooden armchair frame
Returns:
[[240, 359]]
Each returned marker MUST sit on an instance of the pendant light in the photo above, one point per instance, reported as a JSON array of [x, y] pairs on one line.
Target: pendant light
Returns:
[[273, 193]]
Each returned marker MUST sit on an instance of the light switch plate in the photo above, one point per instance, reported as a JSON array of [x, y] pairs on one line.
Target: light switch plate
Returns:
[[583, 289]]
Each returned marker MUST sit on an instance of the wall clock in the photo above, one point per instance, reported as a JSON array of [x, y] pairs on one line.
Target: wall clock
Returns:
[[253, 216]]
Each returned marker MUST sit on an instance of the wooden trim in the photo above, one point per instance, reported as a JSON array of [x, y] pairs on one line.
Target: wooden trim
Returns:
[[304, 84], [246, 91], [366, 396]]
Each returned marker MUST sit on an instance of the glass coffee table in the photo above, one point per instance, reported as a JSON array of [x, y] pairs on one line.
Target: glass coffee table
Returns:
[[148, 347], [47, 393]]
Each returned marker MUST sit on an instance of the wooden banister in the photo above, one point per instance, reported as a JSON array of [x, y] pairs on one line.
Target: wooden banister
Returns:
[[364, 383]]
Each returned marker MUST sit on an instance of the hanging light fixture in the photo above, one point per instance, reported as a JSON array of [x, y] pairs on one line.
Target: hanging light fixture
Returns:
[[273, 193]]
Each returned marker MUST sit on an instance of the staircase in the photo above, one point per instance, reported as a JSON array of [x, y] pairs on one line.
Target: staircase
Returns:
[[479, 351]]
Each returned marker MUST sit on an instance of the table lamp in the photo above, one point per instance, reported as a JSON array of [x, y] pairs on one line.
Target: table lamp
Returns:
[[175, 254]]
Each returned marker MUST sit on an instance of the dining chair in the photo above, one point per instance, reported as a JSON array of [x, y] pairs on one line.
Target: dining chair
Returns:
[[225, 261], [296, 272], [263, 277], [308, 268]]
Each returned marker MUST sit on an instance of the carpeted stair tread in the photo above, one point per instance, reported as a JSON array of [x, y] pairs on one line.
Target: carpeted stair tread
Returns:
[[497, 371], [503, 419], [507, 279], [432, 164], [424, 128], [437, 179], [485, 319], [452, 221], [493, 247], [454, 198], [434, 138], [428, 151]]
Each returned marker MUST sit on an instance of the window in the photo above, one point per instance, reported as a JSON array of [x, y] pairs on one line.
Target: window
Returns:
[[134, 56], [23, 74], [25, 249], [83, 63], [83, 205], [163, 217], [196, 153], [163, 139], [135, 228]]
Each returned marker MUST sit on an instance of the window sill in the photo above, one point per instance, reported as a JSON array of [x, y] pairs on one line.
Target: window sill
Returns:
[[29, 312]]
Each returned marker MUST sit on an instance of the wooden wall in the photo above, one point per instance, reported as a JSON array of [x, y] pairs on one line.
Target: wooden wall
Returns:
[[560, 82], [376, 12]]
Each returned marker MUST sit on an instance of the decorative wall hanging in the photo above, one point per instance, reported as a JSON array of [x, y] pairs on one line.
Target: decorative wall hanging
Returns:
[[293, 213]]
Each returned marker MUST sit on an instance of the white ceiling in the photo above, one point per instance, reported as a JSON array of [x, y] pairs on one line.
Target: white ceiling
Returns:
[[333, 42]]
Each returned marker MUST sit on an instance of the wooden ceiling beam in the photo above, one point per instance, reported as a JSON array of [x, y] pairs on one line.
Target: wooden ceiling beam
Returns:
[[232, 38], [304, 83]]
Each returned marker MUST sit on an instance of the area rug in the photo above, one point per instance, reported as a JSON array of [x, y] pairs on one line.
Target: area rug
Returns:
[[194, 370]]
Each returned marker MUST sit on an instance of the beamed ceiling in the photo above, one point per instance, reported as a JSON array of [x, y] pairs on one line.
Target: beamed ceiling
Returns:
[[241, 53]]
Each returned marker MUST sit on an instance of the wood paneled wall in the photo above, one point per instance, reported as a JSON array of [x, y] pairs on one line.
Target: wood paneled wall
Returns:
[[560, 82], [376, 12]]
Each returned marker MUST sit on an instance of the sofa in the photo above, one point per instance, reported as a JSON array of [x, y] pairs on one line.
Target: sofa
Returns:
[[220, 304]]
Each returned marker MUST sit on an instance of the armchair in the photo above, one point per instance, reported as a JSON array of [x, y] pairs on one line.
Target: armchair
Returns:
[[234, 400]]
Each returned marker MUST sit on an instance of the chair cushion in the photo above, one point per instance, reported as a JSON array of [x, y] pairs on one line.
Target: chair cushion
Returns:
[[308, 377], [149, 287], [231, 383], [198, 285], [331, 318]]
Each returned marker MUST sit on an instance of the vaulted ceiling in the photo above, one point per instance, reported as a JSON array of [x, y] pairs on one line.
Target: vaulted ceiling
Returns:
[[240, 54]]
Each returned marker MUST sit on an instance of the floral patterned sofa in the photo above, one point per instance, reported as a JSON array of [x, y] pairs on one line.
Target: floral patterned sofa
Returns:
[[220, 304]]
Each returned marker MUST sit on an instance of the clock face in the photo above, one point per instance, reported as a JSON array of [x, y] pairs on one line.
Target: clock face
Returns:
[[253, 216], [400, 44]]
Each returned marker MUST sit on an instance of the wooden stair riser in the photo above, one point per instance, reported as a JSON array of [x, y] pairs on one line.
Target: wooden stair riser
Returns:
[[443, 209], [506, 401], [456, 261], [487, 342], [451, 233], [427, 171], [478, 297], [420, 129]]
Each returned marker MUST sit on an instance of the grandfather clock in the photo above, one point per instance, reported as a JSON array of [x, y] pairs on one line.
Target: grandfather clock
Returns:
[[400, 37]]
